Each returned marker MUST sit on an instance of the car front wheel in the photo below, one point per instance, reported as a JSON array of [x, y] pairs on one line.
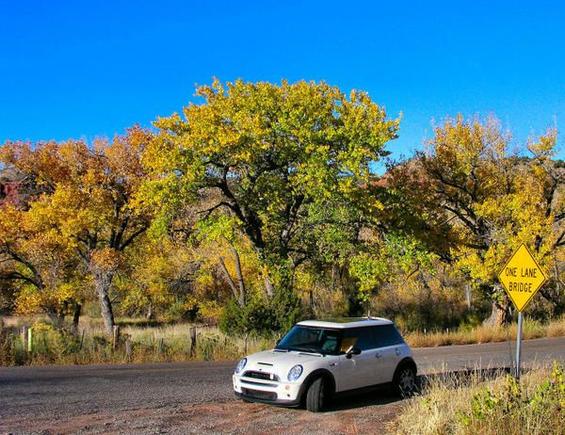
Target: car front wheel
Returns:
[[316, 395]]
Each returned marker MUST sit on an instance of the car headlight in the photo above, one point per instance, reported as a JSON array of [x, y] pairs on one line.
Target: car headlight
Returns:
[[294, 373], [240, 365]]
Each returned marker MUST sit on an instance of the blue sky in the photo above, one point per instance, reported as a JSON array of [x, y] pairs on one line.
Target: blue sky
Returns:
[[85, 69]]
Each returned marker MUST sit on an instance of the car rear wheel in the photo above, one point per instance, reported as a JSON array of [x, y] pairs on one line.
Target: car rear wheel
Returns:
[[316, 395], [405, 380]]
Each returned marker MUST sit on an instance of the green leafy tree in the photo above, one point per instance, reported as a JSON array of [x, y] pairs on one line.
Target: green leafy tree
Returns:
[[275, 156]]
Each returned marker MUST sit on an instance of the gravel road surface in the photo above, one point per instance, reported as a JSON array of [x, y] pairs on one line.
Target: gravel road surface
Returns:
[[196, 397]]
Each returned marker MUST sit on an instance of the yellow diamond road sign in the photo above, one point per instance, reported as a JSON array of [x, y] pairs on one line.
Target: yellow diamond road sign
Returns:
[[522, 277]]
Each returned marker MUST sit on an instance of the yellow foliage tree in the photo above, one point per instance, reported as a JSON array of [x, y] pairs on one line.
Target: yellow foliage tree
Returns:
[[480, 202], [85, 205]]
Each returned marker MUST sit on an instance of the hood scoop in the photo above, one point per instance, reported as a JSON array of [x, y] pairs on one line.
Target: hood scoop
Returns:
[[264, 364]]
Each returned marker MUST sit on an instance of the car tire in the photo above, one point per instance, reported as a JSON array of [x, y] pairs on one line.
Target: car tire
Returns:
[[316, 395], [405, 381]]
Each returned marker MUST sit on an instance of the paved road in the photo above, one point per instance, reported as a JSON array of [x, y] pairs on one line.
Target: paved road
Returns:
[[57, 393]]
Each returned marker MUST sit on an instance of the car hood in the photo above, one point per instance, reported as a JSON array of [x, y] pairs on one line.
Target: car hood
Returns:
[[278, 362]]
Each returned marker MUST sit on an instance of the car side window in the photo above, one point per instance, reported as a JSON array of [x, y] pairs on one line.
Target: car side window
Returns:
[[362, 338], [387, 335]]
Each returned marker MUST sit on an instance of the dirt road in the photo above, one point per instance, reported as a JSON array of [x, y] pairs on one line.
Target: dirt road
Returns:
[[196, 397]]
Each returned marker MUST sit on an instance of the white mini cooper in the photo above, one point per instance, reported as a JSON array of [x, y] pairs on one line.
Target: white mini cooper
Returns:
[[317, 359]]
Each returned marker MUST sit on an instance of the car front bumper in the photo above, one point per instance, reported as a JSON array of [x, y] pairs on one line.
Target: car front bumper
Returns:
[[286, 403], [277, 393]]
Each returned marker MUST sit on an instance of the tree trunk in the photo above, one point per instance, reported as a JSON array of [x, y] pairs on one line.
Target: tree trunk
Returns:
[[102, 283], [500, 314], [76, 317], [230, 282], [56, 317], [149, 314], [269, 289], [240, 281]]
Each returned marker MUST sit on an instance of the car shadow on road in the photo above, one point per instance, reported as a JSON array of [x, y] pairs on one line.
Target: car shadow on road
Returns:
[[376, 396], [385, 394]]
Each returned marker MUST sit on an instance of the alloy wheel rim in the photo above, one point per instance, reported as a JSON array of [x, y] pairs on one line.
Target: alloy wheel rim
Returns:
[[407, 380]]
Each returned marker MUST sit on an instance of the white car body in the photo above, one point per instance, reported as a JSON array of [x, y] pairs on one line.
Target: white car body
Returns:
[[264, 376]]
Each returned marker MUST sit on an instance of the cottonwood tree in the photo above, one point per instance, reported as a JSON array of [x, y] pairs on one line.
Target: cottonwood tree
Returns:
[[159, 274], [87, 201], [275, 156], [39, 268], [486, 201]]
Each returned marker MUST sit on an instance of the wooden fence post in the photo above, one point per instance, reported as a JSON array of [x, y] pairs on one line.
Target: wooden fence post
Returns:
[[115, 337], [128, 348], [245, 344], [23, 335], [29, 340], [193, 335]]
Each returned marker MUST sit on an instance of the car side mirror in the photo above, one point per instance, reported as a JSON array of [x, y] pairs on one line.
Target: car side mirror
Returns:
[[352, 351]]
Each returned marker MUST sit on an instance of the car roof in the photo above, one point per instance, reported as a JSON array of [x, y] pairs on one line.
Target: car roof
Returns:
[[346, 322]]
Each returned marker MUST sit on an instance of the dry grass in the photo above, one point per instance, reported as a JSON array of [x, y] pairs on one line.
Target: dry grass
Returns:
[[153, 343], [471, 404], [556, 328], [172, 342], [487, 334]]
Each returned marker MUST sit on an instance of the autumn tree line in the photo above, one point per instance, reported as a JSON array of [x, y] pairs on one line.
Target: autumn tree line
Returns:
[[259, 205]]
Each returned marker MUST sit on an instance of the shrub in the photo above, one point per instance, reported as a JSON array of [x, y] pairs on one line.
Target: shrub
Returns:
[[287, 309], [517, 409], [502, 406], [180, 310], [255, 317], [7, 350], [51, 344]]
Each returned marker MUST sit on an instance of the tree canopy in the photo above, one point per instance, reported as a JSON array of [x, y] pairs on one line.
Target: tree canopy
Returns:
[[83, 209], [486, 200], [259, 204], [280, 160]]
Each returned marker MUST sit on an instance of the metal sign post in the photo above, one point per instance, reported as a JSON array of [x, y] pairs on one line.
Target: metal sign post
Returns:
[[521, 277], [518, 345]]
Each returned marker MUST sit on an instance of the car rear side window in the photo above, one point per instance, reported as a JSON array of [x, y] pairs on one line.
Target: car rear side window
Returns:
[[362, 338], [387, 335]]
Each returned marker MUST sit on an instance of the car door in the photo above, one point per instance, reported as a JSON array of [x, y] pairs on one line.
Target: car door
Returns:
[[389, 352], [359, 370]]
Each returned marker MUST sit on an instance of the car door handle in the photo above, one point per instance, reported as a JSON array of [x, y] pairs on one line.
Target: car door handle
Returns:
[[378, 355], [397, 351]]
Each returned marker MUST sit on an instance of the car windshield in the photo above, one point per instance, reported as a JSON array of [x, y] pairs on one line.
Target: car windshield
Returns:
[[311, 339]]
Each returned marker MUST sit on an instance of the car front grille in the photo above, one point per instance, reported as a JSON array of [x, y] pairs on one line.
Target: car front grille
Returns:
[[261, 375], [256, 394]]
